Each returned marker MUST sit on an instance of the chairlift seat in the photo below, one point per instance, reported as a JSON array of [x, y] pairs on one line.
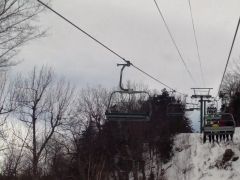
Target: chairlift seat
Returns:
[[116, 116], [190, 109], [175, 113]]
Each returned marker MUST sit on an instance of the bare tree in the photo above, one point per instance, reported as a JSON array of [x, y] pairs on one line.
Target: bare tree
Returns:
[[44, 104], [8, 104], [91, 105], [17, 27], [14, 154], [86, 121], [8, 94], [10, 160]]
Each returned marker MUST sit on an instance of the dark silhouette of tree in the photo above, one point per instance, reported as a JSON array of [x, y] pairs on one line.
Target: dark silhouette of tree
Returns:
[[118, 149], [230, 94], [17, 27], [87, 146], [43, 104]]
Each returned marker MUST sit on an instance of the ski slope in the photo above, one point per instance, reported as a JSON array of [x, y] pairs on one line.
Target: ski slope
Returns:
[[194, 160]]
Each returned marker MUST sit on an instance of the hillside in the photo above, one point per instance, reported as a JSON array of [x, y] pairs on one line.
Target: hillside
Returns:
[[194, 160]]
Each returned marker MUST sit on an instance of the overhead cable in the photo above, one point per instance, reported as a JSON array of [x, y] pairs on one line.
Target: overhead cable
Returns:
[[196, 43], [229, 55], [106, 47], [174, 42]]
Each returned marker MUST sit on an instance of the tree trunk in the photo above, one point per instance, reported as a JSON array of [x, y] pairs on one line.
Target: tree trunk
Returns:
[[35, 158], [135, 170]]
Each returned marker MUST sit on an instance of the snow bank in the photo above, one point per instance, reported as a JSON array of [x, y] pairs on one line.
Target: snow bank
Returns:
[[194, 160]]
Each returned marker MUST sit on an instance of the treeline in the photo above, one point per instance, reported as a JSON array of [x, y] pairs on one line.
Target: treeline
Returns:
[[230, 93], [51, 130]]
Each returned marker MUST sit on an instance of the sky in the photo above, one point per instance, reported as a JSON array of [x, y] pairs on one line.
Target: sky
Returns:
[[135, 30]]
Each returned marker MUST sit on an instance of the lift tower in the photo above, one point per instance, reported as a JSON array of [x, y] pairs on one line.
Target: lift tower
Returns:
[[203, 94]]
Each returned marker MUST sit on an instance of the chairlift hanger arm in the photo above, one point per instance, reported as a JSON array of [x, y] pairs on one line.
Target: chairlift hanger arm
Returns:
[[128, 63]]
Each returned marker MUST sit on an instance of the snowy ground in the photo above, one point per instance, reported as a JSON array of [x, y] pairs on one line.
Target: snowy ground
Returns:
[[194, 160]]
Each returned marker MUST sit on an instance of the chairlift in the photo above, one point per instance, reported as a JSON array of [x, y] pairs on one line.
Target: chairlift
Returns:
[[192, 107], [127, 104], [211, 110], [175, 109], [219, 126], [189, 109]]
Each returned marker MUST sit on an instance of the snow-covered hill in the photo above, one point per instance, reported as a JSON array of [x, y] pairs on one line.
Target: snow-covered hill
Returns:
[[194, 160]]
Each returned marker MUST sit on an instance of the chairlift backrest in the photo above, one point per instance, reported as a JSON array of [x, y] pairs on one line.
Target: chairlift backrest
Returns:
[[226, 118], [211, 110]]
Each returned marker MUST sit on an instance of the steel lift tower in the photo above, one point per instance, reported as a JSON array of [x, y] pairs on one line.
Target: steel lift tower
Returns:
[[203, 94]]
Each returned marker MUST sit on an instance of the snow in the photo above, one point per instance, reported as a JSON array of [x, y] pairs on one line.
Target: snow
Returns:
[[194, 160]]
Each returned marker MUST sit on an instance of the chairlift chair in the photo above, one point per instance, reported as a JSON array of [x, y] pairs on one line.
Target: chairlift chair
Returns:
[[211, 110], [219, 126], [127, 104], [120, 111], [192, 107], [175, 109]]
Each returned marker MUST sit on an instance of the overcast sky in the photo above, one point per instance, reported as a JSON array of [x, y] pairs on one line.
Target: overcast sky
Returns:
[[135, 30]]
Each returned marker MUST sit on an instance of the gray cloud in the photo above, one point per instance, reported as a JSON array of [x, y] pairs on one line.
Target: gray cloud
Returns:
[[135, 30]]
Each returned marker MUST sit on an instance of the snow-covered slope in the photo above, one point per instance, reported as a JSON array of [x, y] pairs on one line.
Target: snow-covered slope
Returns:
[[194, 160]]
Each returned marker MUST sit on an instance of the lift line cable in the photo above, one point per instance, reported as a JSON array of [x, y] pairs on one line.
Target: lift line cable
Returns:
[[229, 55], [174, 42], [196, 42], [106, 47]]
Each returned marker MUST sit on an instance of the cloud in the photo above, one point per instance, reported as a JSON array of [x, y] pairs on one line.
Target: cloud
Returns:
[[134, 29]]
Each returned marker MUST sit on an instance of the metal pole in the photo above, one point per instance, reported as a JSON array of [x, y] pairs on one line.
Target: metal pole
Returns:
[[202, 106], [204, 110], [201, 114]]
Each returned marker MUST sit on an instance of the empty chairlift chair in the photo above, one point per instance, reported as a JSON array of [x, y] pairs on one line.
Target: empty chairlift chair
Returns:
[[127, 104], [175, 109], [191, 107]]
